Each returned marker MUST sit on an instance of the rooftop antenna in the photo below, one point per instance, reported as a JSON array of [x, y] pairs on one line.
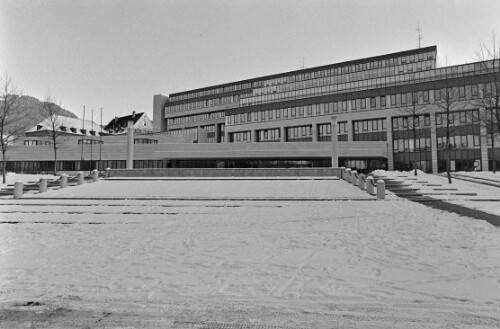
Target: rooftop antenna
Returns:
[[303, 63], [419, 36]]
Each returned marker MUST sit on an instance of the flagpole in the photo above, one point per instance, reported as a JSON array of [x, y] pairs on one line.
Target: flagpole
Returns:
[[100, 145], [91, 141], [83, 128]]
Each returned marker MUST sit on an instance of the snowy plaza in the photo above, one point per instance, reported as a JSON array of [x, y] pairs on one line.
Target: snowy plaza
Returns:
[[277, 253]]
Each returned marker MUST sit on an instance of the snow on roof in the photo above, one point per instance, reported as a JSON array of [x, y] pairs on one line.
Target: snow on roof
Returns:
[[68, 123]]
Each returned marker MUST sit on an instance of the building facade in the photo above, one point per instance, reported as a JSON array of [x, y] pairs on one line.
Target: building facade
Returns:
[[396, 111], [400, 105]]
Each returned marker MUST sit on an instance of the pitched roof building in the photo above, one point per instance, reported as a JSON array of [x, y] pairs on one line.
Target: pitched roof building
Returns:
[[118, 125]]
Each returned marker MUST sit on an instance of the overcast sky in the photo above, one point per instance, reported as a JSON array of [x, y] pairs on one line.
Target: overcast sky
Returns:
[[118, 54]]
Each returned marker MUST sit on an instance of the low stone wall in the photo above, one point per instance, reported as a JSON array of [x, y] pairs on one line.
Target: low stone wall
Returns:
[[225, 172]]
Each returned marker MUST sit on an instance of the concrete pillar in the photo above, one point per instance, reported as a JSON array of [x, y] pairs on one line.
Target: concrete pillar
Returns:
[[108, 172], [334, 145], [314, 132], [95, 175], [217, 133], [434, 154], [361, 182], [485, 166], [283, 134], [350, 131], [370, 185], [348, 175], [159, 121], [64, 181], [226, 137], [253, 137], [18, 190], [390, 144], [79, 176], [43, 185], [380, 189], [130, 145]]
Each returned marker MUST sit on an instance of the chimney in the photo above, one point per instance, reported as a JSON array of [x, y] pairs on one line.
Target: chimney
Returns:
[[133, 115]]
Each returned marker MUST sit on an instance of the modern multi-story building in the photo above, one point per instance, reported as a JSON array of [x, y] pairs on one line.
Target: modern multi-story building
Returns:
[[392, 111]]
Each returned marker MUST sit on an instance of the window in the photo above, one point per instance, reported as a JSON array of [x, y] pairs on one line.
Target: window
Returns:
[[382, 101], [404, 99], [365, 125], [437, 95], [475, 90], [373, 102], [363, 103], [353, 105], [393, 100], [344, 106], [461, 91], [425, 96], [374, 125]]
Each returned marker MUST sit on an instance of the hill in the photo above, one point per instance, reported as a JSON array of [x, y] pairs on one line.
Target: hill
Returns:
[[31, 109]]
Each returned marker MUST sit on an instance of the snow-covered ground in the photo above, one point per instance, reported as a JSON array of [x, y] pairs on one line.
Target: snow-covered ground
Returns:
[[481, 174], [11, 178], [287, 258], [486, 198]]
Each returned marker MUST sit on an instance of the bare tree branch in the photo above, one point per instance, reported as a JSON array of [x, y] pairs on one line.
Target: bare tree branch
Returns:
[[11, 123]]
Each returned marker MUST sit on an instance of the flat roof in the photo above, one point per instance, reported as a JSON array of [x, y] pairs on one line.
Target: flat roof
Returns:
[[316, 68]]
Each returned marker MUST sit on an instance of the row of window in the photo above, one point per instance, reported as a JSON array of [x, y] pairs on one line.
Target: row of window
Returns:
[[209, 92], [335, 71], [371, 125], [205, 103], [299, 134], [457, 118], [411, 122], [340, 79], [412, 145], [145, 141], [197, 117], [360, 104], [35, 142], [423, 76], [459, 142], [269, 135]]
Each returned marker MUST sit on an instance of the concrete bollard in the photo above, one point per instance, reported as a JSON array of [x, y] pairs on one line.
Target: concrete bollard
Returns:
[[95, 175], [64, 181], [369, 185], [108, 170], [361, 182], [18, 190], [348, 175], [79, 176], [354, 177], [43, 185], [380, 189], [342, 172]]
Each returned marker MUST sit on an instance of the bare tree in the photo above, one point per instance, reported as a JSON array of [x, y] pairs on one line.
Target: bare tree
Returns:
[[489, 55], [52, 113], [11, 121], [414, 110], [449, 103]]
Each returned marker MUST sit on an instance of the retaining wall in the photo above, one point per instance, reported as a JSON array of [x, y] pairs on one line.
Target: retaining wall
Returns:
[[225, 172]]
